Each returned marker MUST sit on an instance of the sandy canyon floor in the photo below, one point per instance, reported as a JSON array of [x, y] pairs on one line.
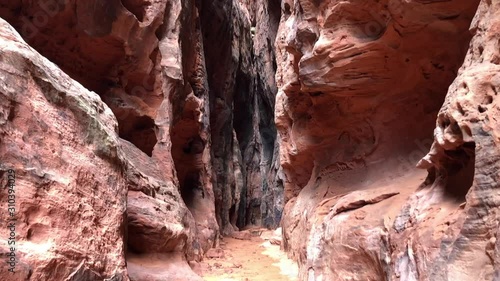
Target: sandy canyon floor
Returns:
[[252, 256]]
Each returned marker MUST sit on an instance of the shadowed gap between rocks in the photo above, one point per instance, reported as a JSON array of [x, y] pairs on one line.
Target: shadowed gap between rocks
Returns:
[[244, 129], [461, 175], [85, 48], [457, 172]]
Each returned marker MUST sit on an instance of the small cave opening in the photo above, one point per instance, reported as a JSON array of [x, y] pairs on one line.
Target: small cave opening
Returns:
[[243, 110], [460, 171], [136, 7], [194, 145], [192, 189], [187, 154], [233, 216], [140, 131]]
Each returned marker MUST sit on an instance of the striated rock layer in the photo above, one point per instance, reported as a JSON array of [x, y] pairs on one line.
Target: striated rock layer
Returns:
[[184, 93], [360, 85]]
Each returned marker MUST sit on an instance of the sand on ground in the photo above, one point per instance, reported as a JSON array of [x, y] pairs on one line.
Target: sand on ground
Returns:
[[256, 259]]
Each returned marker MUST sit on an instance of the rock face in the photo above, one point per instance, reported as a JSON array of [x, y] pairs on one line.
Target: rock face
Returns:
[[168, 113], [141, 131], [360, 85], [464, 160], [336, 61], [70, 183]]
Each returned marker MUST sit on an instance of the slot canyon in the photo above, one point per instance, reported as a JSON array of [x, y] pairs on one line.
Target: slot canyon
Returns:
[[247, 140]]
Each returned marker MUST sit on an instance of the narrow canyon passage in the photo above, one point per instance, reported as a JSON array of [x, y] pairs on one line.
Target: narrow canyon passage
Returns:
[[254, 255], [250, 140]]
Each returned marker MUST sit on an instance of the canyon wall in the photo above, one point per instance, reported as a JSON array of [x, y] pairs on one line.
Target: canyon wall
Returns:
[[139, 131], [70, 176], [360, 86]]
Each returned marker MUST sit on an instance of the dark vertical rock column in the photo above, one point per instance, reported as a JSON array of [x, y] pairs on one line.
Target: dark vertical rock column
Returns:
[[190, 131], [238, 44], [218, 24], [263, 201]]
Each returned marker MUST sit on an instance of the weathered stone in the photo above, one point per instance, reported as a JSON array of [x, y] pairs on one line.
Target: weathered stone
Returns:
[[360, 86], [157, 66], [60, 141], [463, 165]]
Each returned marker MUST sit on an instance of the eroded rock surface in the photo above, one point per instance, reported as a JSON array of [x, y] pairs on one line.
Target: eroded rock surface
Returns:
[[192, 136], [70, 185], [360, 85], [158, 126]]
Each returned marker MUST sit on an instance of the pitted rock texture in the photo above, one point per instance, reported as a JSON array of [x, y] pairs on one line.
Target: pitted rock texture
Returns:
[[352, 75], [360, 86]]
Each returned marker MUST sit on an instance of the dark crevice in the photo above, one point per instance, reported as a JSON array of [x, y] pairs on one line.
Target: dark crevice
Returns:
[[233, 216], [140, 131], [136, 7], [243, 110], [241, 220], [192, 189], [188, 143], [267, 129], [460, 171], [243, 126], [219, 23]]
